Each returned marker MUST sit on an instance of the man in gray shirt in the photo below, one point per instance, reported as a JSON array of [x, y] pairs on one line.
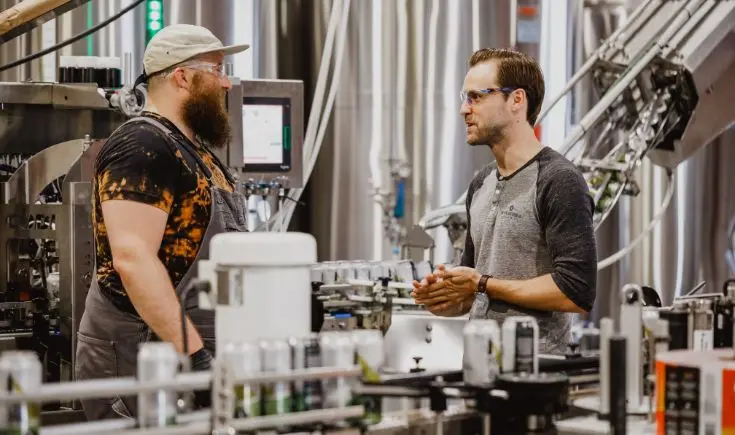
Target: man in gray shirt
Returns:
[[530, 246]]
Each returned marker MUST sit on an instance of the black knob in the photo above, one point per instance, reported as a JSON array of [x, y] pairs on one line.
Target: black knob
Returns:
[[417, 369], [572, 350]]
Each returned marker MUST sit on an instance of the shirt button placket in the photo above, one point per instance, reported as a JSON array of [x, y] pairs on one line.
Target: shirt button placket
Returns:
[[494, 204]]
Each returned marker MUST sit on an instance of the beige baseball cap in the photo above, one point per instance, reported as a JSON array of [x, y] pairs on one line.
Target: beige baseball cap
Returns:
[[179, 42]]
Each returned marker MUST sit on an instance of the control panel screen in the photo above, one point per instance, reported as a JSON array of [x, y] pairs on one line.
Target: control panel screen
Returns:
[[266, 130]]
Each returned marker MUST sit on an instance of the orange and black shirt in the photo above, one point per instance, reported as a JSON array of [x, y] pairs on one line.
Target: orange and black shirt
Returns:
[[140, 163]]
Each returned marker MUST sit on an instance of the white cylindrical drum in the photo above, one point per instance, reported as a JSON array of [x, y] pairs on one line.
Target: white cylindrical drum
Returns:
[[273, 299], [21, 373], [481, 358], [157, 361], [244, 360]]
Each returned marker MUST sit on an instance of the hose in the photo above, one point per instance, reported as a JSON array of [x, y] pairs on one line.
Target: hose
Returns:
[[71, 40], [321, 83], [614, 258], [295, 194]]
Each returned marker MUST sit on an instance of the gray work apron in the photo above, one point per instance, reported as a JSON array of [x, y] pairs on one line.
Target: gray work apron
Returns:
[[108, 338]]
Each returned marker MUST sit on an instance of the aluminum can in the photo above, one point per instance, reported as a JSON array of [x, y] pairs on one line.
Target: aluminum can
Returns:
[[244, 360], [313, 395], [370, 353], [702, 325], [338, 351], [520, 345], [724, 324], [276, 360], [482, 347], [21, 372], [298, 362], [157, 361]]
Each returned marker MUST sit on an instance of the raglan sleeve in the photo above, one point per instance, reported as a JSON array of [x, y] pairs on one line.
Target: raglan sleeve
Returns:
[[137, 165], [566, 211], [468, 254]]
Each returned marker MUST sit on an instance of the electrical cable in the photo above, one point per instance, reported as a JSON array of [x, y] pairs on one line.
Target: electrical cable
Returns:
[[612, 259], [71, 40]]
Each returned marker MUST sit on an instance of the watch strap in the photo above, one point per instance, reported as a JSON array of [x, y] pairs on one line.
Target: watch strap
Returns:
[[482, 284]]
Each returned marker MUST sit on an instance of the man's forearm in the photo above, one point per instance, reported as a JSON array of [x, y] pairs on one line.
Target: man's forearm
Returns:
[[539, 293], [149, 287]]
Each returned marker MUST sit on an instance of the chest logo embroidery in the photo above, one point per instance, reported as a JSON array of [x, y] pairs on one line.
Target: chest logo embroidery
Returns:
[[511, 213]]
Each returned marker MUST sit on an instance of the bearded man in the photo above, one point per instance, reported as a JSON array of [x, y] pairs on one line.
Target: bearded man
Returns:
[[160, 195]]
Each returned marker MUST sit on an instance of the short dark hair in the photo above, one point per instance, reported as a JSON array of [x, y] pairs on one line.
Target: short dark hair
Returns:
[[516, 70]]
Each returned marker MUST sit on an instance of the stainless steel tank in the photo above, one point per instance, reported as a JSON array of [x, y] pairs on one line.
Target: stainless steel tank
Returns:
[[398, 99]]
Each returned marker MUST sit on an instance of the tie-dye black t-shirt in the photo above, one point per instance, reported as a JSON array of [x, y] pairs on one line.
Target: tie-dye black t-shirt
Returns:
[[139, 163]]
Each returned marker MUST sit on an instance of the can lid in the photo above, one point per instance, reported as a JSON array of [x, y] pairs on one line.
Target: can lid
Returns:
[[263, 249]]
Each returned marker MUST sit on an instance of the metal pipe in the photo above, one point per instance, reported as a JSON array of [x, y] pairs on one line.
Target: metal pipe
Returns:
[[618, 361], [182, 382], [104, 426], [683, 11], [486, 424], [92, 427], [128, 77], [607, 327], [297, 418], [204, 426], [593, 58], [25, 12], [631, 326], [198, 428]]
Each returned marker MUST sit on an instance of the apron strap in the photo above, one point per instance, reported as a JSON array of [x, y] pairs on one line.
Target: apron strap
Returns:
[[185, 149]]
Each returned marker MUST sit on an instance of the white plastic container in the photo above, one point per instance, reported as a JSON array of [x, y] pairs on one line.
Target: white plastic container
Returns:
[[268, 278]]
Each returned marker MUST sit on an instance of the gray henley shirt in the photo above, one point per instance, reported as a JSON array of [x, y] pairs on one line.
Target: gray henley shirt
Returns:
[[533, 222]]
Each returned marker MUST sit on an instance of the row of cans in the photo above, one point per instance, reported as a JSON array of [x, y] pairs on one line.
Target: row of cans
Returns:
[[334, 349], [489, 351]]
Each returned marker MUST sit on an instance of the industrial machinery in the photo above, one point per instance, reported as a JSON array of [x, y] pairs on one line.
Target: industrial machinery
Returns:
[[46, 253], [278, 375], [364, 295], [664, 82]]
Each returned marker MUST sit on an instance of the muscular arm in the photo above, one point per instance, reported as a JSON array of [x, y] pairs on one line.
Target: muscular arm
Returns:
[[539, 293], [135, 231]]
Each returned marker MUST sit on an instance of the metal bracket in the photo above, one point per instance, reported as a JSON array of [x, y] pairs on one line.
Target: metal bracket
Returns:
[[222, 399]]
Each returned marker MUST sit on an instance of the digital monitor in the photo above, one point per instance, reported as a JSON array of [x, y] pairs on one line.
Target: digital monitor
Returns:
[[267, 119], [266, 134]]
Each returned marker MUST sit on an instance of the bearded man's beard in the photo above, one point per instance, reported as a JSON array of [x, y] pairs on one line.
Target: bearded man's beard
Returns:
[[205, 113]]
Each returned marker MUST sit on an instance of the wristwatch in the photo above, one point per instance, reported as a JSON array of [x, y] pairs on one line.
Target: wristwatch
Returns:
[[482, 284]]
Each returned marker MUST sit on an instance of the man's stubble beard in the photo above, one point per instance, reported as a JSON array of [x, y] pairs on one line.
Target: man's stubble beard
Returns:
[[205, 113], [490, 136]]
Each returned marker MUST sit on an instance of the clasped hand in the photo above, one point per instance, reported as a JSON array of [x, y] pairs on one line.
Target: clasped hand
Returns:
[[446, 289]]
